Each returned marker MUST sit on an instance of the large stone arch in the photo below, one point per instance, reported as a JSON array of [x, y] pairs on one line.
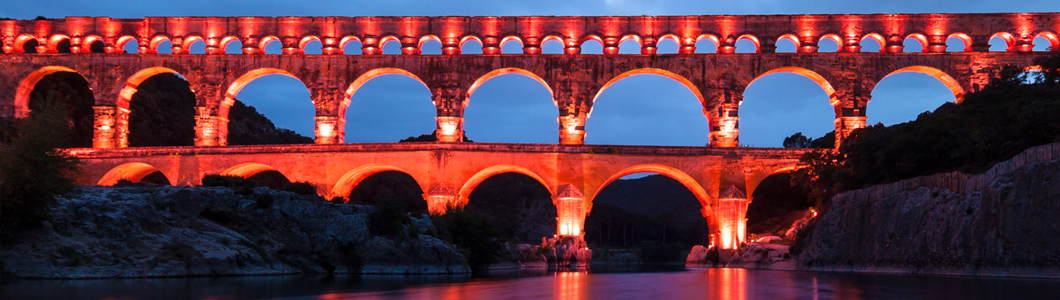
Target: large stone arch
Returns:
[[134, 171], [950, 81], [26, 85], [246, 170], [345, 185], [502, 71], [229, 96], [656, 71], [488, 172], [676, 174], [367, 76], [127, 91]]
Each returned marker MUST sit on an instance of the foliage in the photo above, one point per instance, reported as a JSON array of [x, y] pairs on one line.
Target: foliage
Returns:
[[249, 127], [71, 91], [264, 200], [474, 235], [518, 206], [797, 140], [226, 181], [430, 137], [389, 218], [1008, 116], [162, 113], [32, 171], [301, 188], [827, 141]]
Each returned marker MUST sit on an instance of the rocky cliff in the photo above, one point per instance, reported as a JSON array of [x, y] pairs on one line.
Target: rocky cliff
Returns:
[[1001, 223], [182, 231]]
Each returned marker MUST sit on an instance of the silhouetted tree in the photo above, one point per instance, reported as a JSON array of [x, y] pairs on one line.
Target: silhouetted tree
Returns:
[[797, 140]]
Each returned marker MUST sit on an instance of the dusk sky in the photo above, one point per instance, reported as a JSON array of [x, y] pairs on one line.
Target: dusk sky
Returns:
[[639, 110]]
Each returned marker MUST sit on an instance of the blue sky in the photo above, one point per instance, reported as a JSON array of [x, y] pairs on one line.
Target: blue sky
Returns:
[[642, 109]]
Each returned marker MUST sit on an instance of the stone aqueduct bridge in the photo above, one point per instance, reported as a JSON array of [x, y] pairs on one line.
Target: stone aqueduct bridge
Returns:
[[573, 172]]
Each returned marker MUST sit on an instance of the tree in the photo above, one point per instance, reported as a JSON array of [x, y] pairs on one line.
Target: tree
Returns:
[[797, 140], [33, 172]]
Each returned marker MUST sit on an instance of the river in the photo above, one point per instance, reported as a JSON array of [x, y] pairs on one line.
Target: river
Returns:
[[698, 283]]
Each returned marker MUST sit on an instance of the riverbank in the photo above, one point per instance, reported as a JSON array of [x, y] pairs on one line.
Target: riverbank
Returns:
[[1000, 223], [142, 231]]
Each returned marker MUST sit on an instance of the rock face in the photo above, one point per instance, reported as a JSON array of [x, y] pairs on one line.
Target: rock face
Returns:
[[181, 231], [1003, 223], [762, 256]]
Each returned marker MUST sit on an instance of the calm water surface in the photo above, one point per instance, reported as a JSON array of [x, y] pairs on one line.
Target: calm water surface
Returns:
[[600, 283]]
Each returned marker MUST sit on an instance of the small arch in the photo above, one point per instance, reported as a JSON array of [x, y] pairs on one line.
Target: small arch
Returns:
[[792, 40], [310, 45], [1046, 41], [682, 177], [429, 45], [128, 42], [681, 79], [59, 43], [22, 41], [511, 40], [592, 45], [350, 45], [93, 44], [919, 38], [352, 178], [1008, 42], [361, 80], [829, 43], [231, 45], [747, 37], [707, 44], [25, 87], [875, 37], [965, 42], [390, 45], [134, 172], [630, 44], [946, 79], [470, 44], [483, 174], [668, 44], [194, 45], [270, 45], [552, 45]]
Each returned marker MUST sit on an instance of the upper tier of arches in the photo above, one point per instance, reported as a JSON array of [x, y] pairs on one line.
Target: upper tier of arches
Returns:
[[79, 34]]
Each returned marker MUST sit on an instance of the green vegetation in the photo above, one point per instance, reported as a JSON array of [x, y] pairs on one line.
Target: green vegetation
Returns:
[[1015, 111], [474, 236], [249, 127], [301, 188], [162, 113], [32, 172], [389, 218], [430, 137]]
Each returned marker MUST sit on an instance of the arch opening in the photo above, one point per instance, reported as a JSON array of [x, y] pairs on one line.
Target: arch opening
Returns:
[[829, 44], [1045, 42], [352, 47], [629, 114], [707, 45], [161, 109], [135, 172], [391, 46], [263, 96], [956, 44], [67, 87], [747, 44], [509, 106], [772, 98], [872, 43], [272, 46], [1002, 42], [787, 44], [232, 45], [131, 46], [904, 94], [592, 46], [261, 174], [519, 206], [777, 205], [471, 45], [511, 45], [386, 105], [629, 46], [389, 186], [656, 208], [552, 46], [667, 45], [195, 46], [431, 46]]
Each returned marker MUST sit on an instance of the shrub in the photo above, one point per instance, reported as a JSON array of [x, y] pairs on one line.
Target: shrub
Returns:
[[388, 218], [227, 181], [32, 172], [474, 235], [264, 200], [301, 188]]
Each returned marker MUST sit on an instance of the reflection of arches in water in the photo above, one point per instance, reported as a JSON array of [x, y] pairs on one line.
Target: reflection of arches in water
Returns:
[[133, 172], [520, 206]]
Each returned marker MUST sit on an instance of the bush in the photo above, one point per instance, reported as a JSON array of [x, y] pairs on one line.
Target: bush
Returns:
[[227, 181], [388, 218], [474, 235], [264, 200], [301, 188], [32, 172]]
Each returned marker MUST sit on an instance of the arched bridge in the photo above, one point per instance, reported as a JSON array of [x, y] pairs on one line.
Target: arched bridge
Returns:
[[93, 47]]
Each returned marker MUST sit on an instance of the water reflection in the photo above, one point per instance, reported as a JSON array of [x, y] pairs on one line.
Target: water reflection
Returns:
[[598, 283]]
